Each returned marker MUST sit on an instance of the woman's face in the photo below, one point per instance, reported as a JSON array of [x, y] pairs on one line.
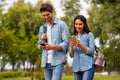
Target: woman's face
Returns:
[[79, 25]]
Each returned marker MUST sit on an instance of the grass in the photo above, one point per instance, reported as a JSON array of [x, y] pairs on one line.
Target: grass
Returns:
[[106, 77], [66, 77], [27, 78]]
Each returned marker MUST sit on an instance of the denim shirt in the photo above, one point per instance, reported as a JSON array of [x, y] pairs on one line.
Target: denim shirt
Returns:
[[59, 36], [83, 61]]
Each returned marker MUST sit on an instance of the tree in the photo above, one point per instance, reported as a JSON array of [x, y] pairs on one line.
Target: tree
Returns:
[[19, 26], [104, 22], [71, 9], [8, 47]]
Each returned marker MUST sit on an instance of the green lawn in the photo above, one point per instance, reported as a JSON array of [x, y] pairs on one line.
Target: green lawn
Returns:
[[27, 78], [108, 77]]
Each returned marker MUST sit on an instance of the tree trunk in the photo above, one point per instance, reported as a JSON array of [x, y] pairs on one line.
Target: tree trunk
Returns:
[[23, 65], [2, 66], [13, 66]]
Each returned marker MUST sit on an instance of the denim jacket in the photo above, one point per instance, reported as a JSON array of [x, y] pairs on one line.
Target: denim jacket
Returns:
[[59, 36], [83, 61]]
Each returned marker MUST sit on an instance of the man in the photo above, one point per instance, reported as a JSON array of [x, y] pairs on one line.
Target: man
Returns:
[[54, 50]]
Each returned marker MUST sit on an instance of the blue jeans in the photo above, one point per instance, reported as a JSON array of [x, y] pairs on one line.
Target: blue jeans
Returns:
[[53, 72], [84, 75]]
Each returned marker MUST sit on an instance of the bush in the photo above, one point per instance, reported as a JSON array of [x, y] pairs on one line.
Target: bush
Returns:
[[39, 75], [1, 77], [13, 74]]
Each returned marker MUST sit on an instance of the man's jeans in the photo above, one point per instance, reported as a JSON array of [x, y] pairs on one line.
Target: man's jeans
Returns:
[[85, 75], [53, 72]]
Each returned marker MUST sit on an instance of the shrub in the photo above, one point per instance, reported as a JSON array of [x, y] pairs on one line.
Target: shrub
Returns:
[[1, 77], [13, 74], [39, 75]]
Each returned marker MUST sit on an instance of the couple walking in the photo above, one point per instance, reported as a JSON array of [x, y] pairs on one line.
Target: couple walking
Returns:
[[54, 41]]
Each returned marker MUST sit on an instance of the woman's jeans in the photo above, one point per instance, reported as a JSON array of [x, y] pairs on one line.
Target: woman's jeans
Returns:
[[84, 75], [53, 72]]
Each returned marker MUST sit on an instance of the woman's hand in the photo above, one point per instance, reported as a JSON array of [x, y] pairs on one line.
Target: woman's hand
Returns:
[[74, 42], [77, 43]]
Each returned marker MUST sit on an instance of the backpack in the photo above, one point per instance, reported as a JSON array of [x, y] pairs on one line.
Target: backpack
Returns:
[[99, 60]]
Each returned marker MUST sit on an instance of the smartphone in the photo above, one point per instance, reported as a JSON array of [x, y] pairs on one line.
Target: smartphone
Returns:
[[72, 37], [42, 44]]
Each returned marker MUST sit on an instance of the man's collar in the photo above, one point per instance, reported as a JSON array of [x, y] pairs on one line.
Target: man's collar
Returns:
[[54, 22]]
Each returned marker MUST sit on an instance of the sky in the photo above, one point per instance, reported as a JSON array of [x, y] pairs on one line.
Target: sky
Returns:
[[57, 6]]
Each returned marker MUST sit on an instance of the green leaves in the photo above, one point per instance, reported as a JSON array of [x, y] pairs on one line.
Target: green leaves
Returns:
[[104, 23], [71, 9], [19, 33]]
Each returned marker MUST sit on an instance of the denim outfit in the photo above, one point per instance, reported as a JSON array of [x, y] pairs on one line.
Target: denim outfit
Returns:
[[59, 36], [83, 61]]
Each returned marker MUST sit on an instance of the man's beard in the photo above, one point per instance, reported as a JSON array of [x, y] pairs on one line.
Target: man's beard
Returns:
[[49, 19]]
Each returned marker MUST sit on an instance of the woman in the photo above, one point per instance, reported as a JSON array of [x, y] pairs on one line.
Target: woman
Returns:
[[82, 50]]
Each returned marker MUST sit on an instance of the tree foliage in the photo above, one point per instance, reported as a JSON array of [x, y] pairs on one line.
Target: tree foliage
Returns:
[[19, 33], [71, 9], [104, 22]]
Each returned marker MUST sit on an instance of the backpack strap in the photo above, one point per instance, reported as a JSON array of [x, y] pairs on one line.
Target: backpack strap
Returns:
[[44, 28]]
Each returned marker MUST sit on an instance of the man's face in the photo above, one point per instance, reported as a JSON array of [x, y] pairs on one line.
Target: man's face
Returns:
[[47, 16]]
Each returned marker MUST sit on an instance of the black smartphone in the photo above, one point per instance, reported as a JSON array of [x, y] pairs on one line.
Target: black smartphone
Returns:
[[42, 44]]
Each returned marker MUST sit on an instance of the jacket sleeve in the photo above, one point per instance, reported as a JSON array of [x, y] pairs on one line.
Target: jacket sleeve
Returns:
[[91, 44], [65, 36], [39, 36]]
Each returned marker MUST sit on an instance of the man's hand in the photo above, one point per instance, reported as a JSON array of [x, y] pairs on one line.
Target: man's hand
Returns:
[[44, 36], [47, 47]]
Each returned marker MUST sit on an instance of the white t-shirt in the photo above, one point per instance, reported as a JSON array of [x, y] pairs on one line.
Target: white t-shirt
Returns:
[[49, 57]]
